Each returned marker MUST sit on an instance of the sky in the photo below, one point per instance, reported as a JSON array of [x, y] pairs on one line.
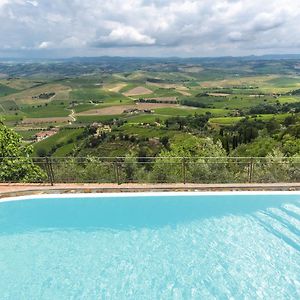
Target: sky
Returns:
[[184, 28]]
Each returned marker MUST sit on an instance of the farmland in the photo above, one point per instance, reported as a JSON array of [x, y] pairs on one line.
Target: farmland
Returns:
[[144, 99]]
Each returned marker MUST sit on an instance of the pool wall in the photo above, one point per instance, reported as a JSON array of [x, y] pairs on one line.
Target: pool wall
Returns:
[[145, 194]]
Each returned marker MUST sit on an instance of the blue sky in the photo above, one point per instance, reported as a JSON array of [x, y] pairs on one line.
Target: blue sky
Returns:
[[62, 28]]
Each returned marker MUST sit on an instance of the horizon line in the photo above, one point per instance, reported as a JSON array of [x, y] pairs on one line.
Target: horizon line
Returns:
[[270, 55]]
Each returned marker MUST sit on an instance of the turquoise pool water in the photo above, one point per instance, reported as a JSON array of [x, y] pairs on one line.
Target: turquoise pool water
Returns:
[[151, 247]]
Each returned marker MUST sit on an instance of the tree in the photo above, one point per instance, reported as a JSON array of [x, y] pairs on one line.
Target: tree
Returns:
[[15, 162], [165, 141], [41, 152], [290, 145], [191, 154], [274, 168], [260, 147]]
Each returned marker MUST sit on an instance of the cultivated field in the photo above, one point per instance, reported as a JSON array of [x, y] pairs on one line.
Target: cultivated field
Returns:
[[138, 91], [117, 110], [31, 121]]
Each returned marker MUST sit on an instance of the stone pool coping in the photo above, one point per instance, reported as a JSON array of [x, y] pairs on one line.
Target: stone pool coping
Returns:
[[14, 190]]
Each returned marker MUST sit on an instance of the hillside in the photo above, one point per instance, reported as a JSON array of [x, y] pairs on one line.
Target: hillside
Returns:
[[140, 105]]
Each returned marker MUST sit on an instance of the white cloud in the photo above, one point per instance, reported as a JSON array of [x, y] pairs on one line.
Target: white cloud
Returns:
[[147, 27], [33, 3], [124, 36], [3, 2], [72, 42], [267, 21], [236, 36], [45, 45]]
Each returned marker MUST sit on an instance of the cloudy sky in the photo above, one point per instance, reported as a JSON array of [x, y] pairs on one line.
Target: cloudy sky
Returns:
[[60, 28]]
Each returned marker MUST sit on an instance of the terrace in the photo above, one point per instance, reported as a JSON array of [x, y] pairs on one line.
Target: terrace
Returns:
[[123, 174], [20, 189]]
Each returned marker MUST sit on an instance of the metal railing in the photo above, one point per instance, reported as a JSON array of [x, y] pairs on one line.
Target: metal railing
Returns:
[[151, 169]]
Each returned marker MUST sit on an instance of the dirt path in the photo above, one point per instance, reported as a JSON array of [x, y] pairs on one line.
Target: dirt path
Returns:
[[72, 116]]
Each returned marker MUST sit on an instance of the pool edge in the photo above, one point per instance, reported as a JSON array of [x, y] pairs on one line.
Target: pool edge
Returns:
[[11, 191]]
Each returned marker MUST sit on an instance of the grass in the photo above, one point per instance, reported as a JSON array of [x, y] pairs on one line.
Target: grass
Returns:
[[233, 120], [11, 118], [64, 151], [20, 84], [83, 82], [225, 120], [64, 137], [84, 107], [149, 132], [162, 92], [110, 149], [92, 119], [46, 111], [239, 102], [86, 95], [288, 99], [6, 90], [279, 117], [8, 105], [285, 82], [95, 94], [26, 96], [145, 118], [28, 134], [174, 111]]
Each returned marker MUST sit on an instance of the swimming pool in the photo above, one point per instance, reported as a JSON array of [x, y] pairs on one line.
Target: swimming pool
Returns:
[[151, 246]]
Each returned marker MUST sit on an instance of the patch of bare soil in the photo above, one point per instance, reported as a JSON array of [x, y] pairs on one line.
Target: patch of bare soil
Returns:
[[116, 88], [140, 90], [218, 94]]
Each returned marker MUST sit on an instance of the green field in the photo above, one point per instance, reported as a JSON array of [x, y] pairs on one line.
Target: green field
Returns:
[[172, 111], [28, 134], [6, 90], [46, 111], [60, 140], [150, 132], [92, 119], [233, 120], [145, 118], [285, 82]]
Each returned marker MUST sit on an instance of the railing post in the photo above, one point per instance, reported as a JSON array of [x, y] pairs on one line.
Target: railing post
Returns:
[[184, 170], [251, 170], [49, 170], [117, 173]]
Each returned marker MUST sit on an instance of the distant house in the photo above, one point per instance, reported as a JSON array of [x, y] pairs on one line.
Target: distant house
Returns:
[[166, 100], [42, 135], [101, 128], [133, 111]]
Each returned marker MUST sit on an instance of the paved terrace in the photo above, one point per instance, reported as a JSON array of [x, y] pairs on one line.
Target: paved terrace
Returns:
[[11, 190]]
